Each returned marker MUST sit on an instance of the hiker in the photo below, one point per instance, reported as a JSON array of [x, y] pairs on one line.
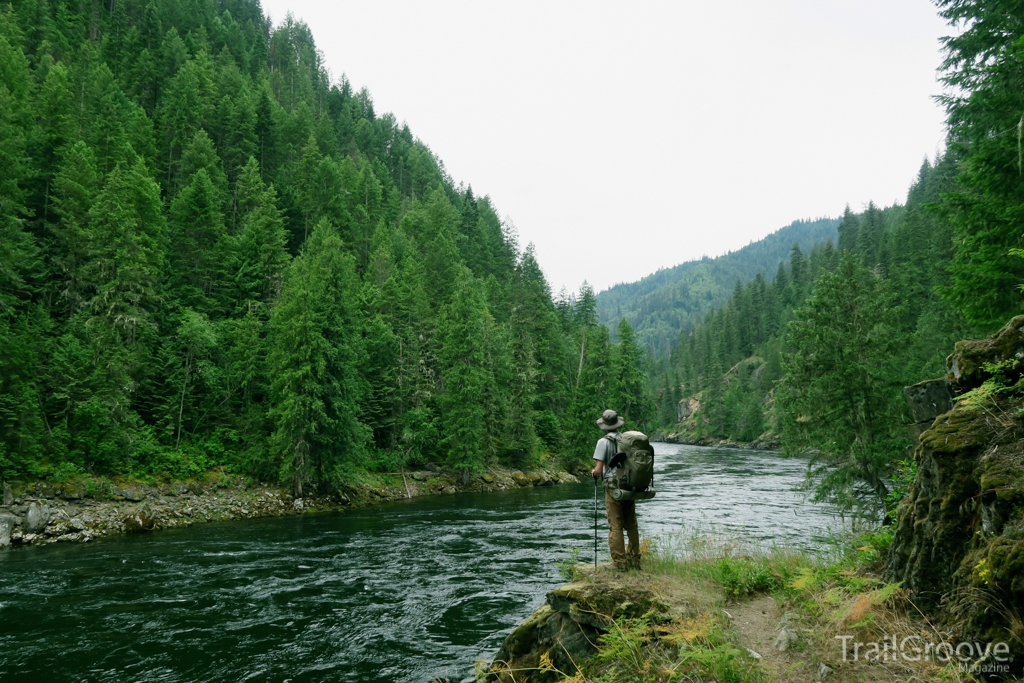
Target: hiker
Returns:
[[621, 513]]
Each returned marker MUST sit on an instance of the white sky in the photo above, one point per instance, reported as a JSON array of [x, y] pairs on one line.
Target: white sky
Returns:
[[625, 137]]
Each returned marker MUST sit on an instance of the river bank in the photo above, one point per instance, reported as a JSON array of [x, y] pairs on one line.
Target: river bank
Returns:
[[721, 612], [39, 513]]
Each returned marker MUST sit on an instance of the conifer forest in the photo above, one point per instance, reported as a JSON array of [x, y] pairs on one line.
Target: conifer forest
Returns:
[[214, 256]]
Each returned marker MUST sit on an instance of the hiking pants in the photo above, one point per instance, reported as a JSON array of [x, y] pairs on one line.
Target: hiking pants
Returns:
[[622, 516]]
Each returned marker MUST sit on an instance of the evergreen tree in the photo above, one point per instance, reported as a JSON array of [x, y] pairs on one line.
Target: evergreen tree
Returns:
[[521, 439], [197, 227], [313, 361], [17, 246], [841, 393], [74, 190], [257, 255], [848, 229], [984, 75], [461, 332], [629, 394], [127, 249]]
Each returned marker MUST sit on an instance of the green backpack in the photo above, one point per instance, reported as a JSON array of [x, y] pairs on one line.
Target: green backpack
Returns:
[[635, 465]]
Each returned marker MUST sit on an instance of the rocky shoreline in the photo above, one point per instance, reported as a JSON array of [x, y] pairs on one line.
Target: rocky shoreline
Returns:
[[40, 513], [765, 442]]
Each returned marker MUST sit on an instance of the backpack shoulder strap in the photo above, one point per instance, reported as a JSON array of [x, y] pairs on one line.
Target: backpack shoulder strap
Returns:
[[618, 456]]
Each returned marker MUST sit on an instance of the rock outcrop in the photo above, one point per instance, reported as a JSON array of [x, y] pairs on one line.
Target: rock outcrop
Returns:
[[566, 627], [927, 400], [959, 540]]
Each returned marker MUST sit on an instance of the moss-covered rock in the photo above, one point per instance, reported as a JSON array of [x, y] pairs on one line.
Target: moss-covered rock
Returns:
[[965, 366], [959, 540], [546, 636], [598, 604], [565, 629]]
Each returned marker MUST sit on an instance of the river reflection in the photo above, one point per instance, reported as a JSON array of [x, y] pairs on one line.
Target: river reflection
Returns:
[[399, 592]]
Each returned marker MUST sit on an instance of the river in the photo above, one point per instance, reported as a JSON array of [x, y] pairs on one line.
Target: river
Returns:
[[398, 592]]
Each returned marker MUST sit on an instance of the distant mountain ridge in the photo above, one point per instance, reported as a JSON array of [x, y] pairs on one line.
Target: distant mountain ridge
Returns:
[[663, 303]]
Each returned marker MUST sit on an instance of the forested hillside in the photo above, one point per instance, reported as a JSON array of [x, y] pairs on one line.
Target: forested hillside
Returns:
[[212, 255], [889, 262], [662, 304], [820, 355]]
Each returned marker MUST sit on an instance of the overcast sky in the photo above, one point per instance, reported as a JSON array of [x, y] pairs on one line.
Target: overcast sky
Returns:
[[625, 137]]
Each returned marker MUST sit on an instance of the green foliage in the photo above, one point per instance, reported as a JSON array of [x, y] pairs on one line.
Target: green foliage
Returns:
[[984, 72], [567, 567], [841, 394], [741, 576], [313, 360], [1006, 377], [462, 332], [623, 645], [629, 388]]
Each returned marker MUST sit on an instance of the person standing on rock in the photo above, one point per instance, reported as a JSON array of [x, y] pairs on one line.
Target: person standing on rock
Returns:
[[621, 513]]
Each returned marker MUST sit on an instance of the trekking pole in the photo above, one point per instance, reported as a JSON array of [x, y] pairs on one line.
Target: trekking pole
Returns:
[[595, 522]]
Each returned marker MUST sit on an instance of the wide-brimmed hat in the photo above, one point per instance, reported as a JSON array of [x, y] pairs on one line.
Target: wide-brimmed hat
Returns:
[[610, 420]]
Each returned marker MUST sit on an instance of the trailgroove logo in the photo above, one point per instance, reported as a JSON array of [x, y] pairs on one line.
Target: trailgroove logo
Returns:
[[983, 657]]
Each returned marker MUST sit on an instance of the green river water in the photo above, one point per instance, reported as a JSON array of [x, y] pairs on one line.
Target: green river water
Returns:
[[399, 592]]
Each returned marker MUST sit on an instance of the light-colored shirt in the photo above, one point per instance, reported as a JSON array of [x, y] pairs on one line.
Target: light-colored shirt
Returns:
[[604, 452]]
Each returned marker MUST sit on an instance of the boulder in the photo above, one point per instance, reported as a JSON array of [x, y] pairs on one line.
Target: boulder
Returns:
[[72, 491], [143, 518], [521, 478], [785, 639], [8, 494], [929, 399], [598, 604], [58, 528], [45, 490], [7, 524], [132, 494], [545, 632], [965, 366], [566, 478], [566, 628], [37, 517]]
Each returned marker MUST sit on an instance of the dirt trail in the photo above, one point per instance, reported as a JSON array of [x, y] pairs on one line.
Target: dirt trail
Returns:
[[757, 623]]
